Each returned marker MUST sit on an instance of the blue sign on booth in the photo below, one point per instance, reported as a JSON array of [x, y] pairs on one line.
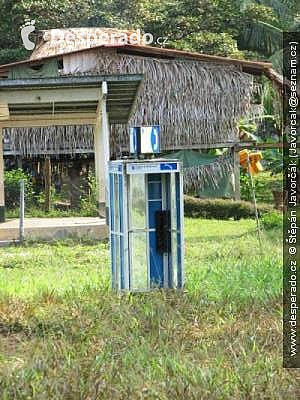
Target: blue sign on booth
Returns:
[[145, 140]]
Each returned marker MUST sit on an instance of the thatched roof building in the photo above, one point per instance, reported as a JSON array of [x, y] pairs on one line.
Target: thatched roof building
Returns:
[[197, 99]]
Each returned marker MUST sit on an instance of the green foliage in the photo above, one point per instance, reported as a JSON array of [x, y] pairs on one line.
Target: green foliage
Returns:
[[221, 209], [54, 14], [264, 21], [211, 27], [286, 10], [255, 11], [274, 160], [11, 55], [248, 128], [272, 220], [261, 37], [12, 188], [264, 183], [88, 203], [34, 205], [10, 20], [245, 186], [272, 103], [209, 43], [47, 15], [37, 211]]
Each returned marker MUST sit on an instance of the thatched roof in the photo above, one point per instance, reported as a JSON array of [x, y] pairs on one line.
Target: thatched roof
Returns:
[[32, 142], [194, 102], [85, 38], [44, 50]]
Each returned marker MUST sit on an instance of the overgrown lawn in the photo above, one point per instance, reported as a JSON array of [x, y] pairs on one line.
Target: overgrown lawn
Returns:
[[65, 335]]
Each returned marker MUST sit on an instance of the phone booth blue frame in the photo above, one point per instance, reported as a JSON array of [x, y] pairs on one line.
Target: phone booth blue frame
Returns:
[[146, 224]]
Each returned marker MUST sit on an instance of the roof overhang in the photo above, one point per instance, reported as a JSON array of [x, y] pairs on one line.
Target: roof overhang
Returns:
[[62, 99], [247, 66]]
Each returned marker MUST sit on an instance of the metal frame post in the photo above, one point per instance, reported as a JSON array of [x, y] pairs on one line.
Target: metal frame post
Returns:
[[22, 210]]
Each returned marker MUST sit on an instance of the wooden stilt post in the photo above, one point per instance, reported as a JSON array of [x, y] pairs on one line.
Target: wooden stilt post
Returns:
[[236, 168], [47, 177], [2, 199]]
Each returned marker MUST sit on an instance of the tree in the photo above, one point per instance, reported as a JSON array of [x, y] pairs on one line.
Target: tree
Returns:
[[222, 27], [265, 36], [47, 14]]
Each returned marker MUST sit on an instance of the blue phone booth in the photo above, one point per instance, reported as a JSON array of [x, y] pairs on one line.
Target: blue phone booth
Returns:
[[146, 224]]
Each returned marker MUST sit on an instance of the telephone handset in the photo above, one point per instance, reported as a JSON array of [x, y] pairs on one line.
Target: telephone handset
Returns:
[[163, 226]]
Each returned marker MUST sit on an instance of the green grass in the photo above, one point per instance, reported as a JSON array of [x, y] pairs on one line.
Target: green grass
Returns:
[[65, 335], [61, 267], [38, 212]]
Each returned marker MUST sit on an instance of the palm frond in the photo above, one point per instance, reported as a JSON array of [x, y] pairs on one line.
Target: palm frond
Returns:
[[260, 36]]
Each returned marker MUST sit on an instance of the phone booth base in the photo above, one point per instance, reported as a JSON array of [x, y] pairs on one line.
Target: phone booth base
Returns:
[[146, 224]]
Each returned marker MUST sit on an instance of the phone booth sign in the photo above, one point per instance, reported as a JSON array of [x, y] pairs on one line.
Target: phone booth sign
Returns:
[[146, 224], [145, 140]]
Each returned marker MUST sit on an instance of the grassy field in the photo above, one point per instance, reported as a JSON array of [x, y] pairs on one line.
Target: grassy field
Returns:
[[65, 335]]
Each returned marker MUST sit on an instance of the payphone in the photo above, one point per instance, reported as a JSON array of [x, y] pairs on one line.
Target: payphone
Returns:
[[146, 224]]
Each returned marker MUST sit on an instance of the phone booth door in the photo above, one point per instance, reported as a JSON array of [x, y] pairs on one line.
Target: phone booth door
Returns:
[[155, 231]]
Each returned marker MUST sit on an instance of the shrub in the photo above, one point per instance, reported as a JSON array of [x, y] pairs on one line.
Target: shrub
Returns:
[[222, 209], [88, 202], [272, 220], [264, 182], [12, 188]]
